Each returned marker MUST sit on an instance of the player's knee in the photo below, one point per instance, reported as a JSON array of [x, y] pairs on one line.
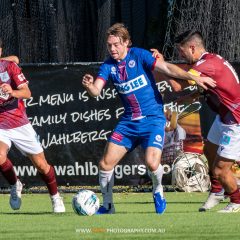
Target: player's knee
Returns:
[[152, 165], [218, 173], [43, 168], [3, 157], [105, 165], [40, 162]]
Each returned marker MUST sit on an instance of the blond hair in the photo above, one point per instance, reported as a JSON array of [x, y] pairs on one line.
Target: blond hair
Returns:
[[119, 30]]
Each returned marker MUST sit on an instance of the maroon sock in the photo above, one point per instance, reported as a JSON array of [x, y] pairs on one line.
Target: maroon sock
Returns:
[[50, 181], [234, 196], [216, 186], [8, 172]]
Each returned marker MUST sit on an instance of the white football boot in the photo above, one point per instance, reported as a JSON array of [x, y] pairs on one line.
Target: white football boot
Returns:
[[15, 195], [212, 200], [57, 204], [231, 208]]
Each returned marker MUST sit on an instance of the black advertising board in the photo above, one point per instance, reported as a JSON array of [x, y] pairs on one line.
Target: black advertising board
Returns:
[[73, 127]]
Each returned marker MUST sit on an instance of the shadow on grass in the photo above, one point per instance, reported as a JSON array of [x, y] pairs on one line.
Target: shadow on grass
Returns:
[[27, 213], [127, 203]]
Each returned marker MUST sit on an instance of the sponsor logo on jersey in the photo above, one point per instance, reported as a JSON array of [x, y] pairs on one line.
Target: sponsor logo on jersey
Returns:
[[225, 140], [21, 77], [4, 77], [3, 95], [132, 85], [131, 63], [113, 70]]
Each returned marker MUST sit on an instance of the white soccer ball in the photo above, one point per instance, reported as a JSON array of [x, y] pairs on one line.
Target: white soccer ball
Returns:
[[85, 202]]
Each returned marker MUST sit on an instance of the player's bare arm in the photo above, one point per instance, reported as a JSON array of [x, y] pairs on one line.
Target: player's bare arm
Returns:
[[23, 91], [94, 88], [11, 58], [176, 72]]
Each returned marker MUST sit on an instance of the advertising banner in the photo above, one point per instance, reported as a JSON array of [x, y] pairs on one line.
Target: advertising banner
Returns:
[[73, 127]]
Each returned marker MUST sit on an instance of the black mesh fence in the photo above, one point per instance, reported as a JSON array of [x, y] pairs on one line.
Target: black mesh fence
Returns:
[[218, 20], [43, 31]]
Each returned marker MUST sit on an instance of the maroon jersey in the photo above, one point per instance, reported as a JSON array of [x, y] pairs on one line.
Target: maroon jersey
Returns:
[[12, 110], [227, 92]]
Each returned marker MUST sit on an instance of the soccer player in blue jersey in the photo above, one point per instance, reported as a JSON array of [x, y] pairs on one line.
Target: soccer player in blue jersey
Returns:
[[143, 121]]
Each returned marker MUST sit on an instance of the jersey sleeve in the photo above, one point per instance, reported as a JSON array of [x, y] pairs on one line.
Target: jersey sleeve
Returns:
[[104, 72], [16, 74], [147, 59]]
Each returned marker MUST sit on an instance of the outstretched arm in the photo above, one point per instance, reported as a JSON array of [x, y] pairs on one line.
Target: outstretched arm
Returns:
[[176, 72], [94, 88]]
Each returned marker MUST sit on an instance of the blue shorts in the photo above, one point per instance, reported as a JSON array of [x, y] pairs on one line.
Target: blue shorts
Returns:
[[147, 132]]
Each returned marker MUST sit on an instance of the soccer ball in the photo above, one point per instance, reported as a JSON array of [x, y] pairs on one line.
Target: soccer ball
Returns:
[[85, 202]]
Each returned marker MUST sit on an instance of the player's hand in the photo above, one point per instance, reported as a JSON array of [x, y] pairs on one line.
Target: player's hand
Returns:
[[205, 82], [6, 88], [87, 80], [157, 54]]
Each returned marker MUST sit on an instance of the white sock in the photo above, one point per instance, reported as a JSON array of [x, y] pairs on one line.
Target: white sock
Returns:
[[106, 181], [157, 180]]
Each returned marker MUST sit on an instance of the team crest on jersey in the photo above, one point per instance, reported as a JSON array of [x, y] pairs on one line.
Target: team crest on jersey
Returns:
[[4, 77], [131, 63], [3, 95], [158, 138], [132, 85], [113, 70]]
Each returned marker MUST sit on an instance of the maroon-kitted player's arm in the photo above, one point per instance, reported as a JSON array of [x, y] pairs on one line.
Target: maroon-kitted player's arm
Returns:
[[21, 82]]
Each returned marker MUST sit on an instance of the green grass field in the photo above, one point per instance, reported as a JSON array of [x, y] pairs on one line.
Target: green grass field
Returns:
[[135, 219]]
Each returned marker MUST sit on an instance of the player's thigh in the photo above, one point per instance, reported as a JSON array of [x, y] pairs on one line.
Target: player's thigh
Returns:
[[222, 166], [112, 155], [125, 134], [152, 132], [153, 157], [3, 152], [40, 162], [26, 140], [229, 146]]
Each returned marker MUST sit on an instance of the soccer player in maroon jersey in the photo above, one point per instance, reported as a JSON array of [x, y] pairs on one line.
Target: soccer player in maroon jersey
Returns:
[[222, 148], [15, 128]]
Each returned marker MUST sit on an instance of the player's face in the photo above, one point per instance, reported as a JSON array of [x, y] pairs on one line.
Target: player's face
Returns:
[[186, 52], [116, 47]]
